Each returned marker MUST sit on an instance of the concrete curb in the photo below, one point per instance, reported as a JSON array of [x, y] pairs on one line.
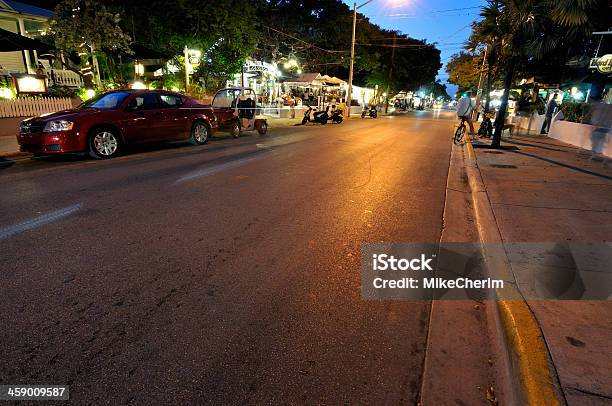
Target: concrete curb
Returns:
[[530, 364], [15, 154]]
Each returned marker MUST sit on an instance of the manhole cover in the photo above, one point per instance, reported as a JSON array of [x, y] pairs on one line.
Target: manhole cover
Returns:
[[492, 152], [503, 166]]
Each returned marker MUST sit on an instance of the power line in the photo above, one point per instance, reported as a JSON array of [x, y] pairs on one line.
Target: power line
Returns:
[[454, 9], [302, 41], [415, 47]]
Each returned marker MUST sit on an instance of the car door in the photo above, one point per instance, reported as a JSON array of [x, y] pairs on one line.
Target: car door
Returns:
[[176, 117], [145, 121], [224, 105]]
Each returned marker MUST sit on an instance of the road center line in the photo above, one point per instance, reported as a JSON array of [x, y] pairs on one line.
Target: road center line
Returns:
[[218, 168], [39, 221]]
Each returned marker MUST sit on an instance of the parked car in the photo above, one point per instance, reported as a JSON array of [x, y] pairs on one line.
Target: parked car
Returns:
[[103, 125], [236, 111]]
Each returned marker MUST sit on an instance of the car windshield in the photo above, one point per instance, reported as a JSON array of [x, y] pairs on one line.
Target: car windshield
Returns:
[[108, 101]]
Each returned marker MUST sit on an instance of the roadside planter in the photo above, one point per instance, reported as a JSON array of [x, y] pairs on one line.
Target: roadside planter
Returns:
[[586, 136], [531, 123]]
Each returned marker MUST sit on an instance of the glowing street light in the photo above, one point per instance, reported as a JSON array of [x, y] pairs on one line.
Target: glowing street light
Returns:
[[290, 63], [138, 85]]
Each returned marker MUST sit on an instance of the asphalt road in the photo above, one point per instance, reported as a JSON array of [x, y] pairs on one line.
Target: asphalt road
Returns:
[[226, 273]]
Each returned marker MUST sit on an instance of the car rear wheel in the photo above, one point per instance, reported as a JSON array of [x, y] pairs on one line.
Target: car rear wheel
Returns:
[[262, 128], [199, 133], [235, 129], [103, 143]]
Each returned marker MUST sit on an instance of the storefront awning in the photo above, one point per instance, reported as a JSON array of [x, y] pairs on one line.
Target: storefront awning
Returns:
[[9, 41]]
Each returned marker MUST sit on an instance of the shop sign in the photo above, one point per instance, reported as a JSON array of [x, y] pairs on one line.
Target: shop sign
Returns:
[[194, 56], [603, 64], [30, 84], [260, 66]]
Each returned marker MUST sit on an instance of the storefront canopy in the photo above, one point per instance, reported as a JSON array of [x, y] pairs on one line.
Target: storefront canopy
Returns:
[[331, 81], [315, 79], [10, 41]]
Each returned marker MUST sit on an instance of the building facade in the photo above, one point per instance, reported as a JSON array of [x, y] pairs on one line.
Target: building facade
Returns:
[[29, 21]]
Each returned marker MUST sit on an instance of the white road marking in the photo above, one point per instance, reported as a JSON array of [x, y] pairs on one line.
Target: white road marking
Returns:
[[218, 168], [39, 221]]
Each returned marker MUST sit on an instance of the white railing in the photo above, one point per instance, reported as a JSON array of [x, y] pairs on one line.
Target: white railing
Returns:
[[33, 107], [61, 77]]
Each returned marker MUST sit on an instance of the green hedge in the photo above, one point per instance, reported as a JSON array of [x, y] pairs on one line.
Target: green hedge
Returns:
[[574, 112]]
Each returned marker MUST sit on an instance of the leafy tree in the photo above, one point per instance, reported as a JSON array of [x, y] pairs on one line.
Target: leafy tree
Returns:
[[464, 70], [316, 32], [530, 29], [226, 32], [485, 32], [87, 27]]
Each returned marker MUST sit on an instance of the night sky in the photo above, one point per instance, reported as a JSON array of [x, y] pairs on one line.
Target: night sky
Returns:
[[446, 22]]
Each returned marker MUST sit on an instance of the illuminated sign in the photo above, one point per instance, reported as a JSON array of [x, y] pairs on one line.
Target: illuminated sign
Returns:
[[602, 64], [194, 56], [32, 84], [192, 59], [259, 66]]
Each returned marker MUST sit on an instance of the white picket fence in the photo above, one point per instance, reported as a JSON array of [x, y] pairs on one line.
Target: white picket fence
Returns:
[[27, 107]]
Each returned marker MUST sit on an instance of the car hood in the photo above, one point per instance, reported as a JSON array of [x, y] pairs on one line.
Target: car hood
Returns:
[[63, 115]]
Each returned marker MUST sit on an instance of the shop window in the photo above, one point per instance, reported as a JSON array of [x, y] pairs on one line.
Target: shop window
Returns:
[[9, 24], [34, 28]]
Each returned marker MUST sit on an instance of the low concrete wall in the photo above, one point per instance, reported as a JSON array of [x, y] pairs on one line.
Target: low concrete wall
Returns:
[[9, 127], [284, 112], [529, 124], [595, 139]]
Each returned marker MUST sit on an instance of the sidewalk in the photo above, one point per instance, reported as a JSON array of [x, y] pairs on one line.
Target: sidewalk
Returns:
[[544, 191], [9, 127]]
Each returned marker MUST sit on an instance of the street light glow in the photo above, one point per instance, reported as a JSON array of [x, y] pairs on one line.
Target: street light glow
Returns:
[[138, 85]]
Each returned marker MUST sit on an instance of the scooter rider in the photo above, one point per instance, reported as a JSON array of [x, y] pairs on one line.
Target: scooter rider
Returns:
[[465, 109]]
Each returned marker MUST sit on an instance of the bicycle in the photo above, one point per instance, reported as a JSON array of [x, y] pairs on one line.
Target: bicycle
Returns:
[[460, 132], [486, 127]]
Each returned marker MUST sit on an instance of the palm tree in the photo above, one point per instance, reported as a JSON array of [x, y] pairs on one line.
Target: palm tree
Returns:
[[485, 32], [522, 29]]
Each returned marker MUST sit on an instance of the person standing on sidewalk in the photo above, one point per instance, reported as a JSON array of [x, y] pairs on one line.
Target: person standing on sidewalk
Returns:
[[465, 110], [550, 111]]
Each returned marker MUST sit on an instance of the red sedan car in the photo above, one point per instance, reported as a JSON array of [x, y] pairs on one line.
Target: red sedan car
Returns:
[[102, 125]]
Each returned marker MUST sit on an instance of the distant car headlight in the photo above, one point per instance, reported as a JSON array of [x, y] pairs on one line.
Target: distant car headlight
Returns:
[[59, 125]]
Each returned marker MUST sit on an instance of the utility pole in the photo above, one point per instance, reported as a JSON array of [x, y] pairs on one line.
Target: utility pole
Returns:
[[391, 71], [350, 84], [186, 69], [479, 91]]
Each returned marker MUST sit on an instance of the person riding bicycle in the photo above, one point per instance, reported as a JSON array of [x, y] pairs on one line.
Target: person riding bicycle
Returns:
[[465, 109]]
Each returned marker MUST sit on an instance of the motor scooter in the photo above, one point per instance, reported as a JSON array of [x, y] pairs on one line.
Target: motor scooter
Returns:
[[336, 116], [307, 113], [320, 117], [371, 112]]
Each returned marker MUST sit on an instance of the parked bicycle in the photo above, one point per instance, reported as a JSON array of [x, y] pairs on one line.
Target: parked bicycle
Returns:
[[486, 127]]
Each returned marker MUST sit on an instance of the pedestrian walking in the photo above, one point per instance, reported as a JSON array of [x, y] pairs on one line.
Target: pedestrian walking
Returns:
[[551, 109]]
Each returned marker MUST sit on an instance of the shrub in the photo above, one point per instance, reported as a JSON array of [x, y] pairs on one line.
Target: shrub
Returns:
[[574, 112]]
